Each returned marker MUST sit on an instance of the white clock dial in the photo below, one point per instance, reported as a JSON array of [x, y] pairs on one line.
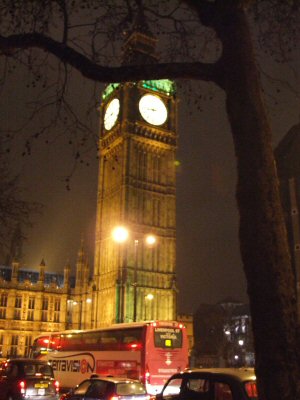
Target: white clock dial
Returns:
[[111, 114], [153, 109]]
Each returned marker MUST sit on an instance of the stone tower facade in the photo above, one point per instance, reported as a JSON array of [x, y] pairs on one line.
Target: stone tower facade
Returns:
[[136, 190]]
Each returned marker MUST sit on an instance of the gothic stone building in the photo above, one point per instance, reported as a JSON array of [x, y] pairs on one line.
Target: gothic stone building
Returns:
[[32, 302]]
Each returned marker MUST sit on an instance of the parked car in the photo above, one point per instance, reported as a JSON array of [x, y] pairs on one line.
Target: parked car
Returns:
[[211, 384], [108, 388], [24, 378]]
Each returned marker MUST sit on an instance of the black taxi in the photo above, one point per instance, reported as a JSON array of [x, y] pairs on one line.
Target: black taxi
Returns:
[[28, 379], [211, 384]]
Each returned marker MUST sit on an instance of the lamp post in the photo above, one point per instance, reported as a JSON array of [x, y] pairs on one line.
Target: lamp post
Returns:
[[148, 299], [81, 309], [136, 243], [69, 313], [75, 303], [120, 235], [150, 240]]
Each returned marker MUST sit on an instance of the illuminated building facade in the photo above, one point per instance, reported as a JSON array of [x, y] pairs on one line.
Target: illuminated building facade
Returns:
[[131, 281], [32, 302], [136, 190]]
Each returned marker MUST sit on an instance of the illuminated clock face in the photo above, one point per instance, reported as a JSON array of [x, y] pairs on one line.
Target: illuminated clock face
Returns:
[[153, 109], [111, 114]]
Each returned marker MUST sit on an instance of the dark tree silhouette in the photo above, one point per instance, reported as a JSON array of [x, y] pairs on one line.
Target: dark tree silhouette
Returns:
[[14, 214]]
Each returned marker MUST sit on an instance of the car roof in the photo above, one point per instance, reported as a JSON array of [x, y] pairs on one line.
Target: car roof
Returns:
[[241, 374], [115, 379], [26, 360]]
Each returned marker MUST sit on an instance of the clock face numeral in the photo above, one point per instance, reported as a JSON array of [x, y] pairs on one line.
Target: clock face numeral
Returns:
[[153, 109], [111, 114]]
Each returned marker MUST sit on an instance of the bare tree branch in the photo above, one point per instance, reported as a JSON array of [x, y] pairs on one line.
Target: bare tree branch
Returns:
[[197, 70]]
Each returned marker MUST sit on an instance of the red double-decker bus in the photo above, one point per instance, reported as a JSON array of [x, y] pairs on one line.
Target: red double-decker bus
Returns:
[[148, 351]]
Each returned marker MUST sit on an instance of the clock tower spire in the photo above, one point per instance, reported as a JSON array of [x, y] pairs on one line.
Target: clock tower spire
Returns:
[[134, 279], [140, 44]]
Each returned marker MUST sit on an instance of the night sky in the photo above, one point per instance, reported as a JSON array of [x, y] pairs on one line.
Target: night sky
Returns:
[[209, 267]]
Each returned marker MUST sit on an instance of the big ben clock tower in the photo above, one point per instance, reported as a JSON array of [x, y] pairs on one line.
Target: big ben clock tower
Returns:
[[135, 280]]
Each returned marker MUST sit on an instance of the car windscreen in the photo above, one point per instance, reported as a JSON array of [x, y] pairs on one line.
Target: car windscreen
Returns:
[[83, 387], [129, 389]]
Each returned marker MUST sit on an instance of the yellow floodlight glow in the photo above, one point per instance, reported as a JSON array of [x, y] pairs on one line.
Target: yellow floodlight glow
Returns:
[[150, 240], [149, 296], [120, 234]]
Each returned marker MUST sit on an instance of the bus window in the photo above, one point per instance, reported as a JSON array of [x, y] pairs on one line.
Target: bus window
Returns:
[[109, 340], [167, 337], [55, 343], [71, 342], [91, 340], [100, 340], [131, 339]]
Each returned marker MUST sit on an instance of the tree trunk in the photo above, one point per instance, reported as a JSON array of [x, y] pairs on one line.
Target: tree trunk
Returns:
[[263, 239]]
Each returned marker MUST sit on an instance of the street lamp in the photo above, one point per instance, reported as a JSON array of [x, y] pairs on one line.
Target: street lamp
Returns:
[[150, 240], [120, 234], [149, 297]]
